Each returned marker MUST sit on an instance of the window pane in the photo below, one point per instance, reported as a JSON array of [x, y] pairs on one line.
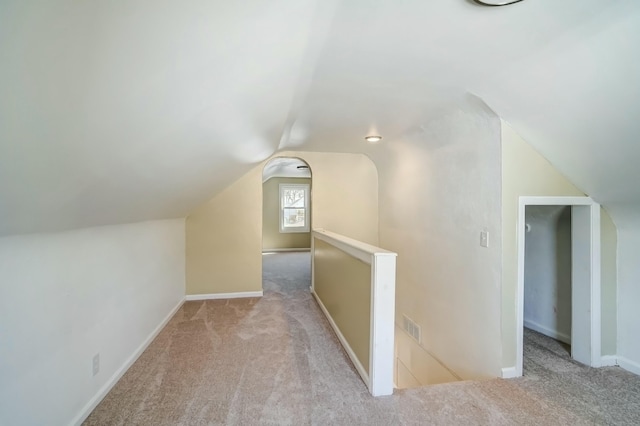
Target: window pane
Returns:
[[293, 208], [293, 198], [293, 218]]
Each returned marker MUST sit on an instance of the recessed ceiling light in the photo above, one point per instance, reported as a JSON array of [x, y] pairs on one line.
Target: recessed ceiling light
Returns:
[[373, 138], [496, 2]]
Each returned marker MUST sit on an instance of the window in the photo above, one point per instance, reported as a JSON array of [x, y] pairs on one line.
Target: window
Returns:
[[294, 208]]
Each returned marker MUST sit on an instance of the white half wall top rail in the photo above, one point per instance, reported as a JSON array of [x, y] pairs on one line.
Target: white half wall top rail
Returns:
[[354, 284]]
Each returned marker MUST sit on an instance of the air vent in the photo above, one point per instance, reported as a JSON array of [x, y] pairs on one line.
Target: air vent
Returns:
[[412, 328]]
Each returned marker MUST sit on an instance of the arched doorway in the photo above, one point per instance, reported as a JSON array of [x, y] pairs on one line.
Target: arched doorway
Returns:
[[286, 223]]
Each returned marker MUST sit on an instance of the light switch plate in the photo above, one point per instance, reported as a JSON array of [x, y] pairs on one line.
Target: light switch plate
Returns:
[[484, 239]]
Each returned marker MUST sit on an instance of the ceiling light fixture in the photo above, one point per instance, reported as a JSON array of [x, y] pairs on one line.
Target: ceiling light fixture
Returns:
[[373, 138], [496, 2]]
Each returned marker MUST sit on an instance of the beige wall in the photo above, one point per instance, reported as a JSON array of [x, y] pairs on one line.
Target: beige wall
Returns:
[[224, 240], [343, 284], [439, 188], [344, 194], [527, 173], [272, 238], [224, 236], [415, 367]]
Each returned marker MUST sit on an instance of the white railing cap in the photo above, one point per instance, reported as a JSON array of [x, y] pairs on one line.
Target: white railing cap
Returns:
[[364, 248]]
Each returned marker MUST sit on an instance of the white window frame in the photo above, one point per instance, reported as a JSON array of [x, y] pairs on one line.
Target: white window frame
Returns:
[[307, 215]]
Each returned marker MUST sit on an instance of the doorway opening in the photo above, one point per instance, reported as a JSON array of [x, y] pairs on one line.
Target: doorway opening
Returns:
[[286, 225], [559, 277], [547, 284]]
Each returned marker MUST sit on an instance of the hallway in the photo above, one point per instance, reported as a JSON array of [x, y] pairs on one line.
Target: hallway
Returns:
[[275, 360]]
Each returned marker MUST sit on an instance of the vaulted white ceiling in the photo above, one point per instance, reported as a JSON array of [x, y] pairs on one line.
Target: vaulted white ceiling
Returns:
[[120, 111]]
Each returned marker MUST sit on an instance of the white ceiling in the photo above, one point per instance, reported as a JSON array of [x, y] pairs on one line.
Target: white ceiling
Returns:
[[119, 111], [285, 167]]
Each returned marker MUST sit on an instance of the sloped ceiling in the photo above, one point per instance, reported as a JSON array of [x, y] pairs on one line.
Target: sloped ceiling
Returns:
[[120, 111]]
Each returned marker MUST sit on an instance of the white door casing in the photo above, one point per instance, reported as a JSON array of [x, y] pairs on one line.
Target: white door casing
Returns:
[[585, 287]]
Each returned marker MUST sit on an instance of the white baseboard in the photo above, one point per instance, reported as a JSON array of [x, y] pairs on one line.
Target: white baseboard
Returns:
[[547, 331], [509, 373], [284, 250], [104, 390], [629, 365], [608, 361], [239, 295], [343, 341]]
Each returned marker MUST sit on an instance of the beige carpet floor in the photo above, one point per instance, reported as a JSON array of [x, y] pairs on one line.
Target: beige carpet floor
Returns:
[[275, 361]]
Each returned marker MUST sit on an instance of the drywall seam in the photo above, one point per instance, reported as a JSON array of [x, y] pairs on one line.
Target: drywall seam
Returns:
[[93, 403]]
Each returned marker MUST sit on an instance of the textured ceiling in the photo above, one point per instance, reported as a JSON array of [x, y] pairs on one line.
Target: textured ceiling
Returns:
[[120, 111]]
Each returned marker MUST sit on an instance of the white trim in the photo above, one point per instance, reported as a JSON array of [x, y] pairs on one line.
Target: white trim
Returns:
[[313, 265], [595, 270], [557, 201], [547, 331], [510, 373], [285, 250], [596, 304], [352, 355], [608, 361], [520, 287], [382, 313], [212, 296], [355, 248], [382, 320], [104, 390], [629, 365]]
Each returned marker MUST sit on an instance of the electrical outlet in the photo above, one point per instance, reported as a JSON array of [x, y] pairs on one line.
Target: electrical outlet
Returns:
[[96, 364], [484, 238]]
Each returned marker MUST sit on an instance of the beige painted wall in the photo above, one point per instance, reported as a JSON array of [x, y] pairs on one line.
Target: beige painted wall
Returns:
[[527, 173], [272, 238], [415, 367], [439, 188], [224, 236], [224, 239], [343, 284], [344, 195]]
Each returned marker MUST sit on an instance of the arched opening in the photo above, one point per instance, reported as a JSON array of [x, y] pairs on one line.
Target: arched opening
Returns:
[[286, 225]]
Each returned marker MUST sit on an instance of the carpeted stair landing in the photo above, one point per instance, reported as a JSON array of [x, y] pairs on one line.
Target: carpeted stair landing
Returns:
[[275, 361]]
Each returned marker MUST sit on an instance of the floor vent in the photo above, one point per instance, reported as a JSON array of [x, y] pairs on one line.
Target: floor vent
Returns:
[[412, 328]]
